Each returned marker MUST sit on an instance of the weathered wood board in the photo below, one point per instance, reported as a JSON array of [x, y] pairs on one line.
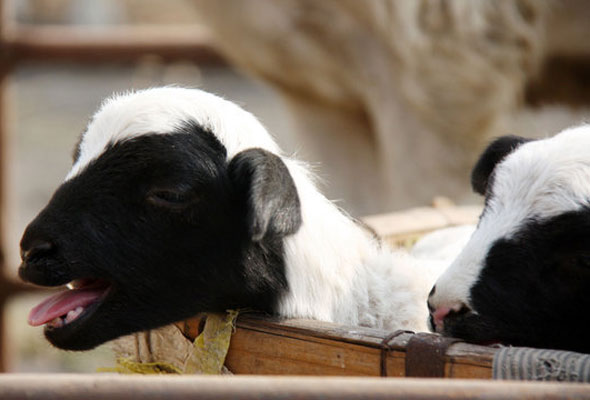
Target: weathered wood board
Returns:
[[266, 346], [402, 229]]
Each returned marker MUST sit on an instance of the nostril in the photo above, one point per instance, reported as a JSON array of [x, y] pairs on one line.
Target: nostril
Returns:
[[36, 249], [439, 314]]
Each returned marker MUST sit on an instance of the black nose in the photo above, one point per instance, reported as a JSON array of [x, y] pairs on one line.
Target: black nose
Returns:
[[34, 250]]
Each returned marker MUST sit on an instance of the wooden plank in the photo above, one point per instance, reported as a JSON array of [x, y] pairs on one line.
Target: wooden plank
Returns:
[[113, 387], [301, 347], [313, 329], [267, 346], [402, 229], [466, 371], [413, 220], [263, 353]]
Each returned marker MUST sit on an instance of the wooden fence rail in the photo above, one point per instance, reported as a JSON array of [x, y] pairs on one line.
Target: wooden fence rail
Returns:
[[99, 387], [265, 346]]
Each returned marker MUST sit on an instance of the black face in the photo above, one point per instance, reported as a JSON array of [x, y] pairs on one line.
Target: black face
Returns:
[[533, 289], [166, 228]]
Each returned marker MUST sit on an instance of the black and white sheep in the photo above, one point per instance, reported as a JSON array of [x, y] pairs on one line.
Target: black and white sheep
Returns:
[[180, 202], [523, 278]]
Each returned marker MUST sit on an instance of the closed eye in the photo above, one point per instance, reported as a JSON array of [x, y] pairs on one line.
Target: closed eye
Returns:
[[171, 198]]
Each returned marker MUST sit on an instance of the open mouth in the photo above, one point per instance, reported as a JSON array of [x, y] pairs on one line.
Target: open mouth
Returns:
[[81, 298]]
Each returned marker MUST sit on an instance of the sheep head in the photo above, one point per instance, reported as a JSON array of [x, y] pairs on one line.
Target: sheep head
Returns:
[[165, 214], [523, 277]]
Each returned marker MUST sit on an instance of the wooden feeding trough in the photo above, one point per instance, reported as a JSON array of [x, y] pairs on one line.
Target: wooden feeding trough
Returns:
[[264, 346]]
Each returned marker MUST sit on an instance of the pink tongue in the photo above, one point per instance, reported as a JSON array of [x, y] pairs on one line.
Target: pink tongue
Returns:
[[61, 303]]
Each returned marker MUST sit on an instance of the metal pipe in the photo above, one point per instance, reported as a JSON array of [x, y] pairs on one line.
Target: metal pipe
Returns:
[[112, 387], [4, 283], [115, 44]]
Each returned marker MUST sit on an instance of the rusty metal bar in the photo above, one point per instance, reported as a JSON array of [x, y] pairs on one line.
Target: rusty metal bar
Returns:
[[115, 44], [98, 387], [4, 293], [5, 284]]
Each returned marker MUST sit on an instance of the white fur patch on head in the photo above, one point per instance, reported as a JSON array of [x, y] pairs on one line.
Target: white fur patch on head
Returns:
[[164, 110], [539, 180]]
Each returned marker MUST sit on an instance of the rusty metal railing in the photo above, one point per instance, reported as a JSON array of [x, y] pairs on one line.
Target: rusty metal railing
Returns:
[[109, 387]]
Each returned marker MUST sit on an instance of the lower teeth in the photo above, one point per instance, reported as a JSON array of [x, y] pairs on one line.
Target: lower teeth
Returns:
[[72, 315], [69, 317], [56, 323]]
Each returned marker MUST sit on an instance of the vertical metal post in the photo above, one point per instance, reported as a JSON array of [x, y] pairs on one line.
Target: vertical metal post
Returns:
[[4, 291]]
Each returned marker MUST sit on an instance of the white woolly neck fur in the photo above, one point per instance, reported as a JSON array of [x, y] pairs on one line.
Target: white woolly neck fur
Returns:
[[336, 271]]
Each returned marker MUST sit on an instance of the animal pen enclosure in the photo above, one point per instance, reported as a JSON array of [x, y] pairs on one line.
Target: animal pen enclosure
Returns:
[[374, 353]]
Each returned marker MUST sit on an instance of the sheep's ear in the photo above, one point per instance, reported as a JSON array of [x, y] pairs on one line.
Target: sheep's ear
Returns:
[[495, 152], [272, 203]]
